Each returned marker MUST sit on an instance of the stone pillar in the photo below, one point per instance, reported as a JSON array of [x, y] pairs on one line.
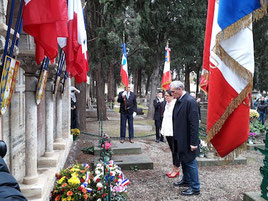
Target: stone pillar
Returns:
[[66, 110], [59, 117], [31, 175], [49, 119]]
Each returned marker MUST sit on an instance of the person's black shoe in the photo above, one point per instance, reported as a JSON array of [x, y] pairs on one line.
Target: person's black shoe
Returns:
[[181, 183], [157, 141], [190, 192]]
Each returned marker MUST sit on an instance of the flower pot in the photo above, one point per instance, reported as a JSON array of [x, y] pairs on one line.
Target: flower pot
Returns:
[[74, 137]]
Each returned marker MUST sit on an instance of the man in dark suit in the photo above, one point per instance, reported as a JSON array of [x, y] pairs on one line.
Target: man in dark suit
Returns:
[[158, 116], [186, 137], [128, 107]]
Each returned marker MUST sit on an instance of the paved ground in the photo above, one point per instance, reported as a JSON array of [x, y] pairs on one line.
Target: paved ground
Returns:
[[224, 183]]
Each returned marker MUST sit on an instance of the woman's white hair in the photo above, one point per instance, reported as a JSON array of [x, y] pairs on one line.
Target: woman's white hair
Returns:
[[177, 84]]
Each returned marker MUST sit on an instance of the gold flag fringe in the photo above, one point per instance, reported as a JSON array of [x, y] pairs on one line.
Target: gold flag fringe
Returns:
[[243, 22], [229, 110], [231, 156], [233, 64]]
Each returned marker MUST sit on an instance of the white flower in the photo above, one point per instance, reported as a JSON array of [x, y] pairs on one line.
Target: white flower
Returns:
[[203, 143], [96, 177], [99, 185]]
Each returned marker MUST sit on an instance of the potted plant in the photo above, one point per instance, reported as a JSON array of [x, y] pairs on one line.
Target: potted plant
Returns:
[[75, 133]]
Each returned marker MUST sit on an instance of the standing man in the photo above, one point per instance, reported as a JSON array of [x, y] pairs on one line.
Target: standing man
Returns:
[[128, 107], [158, 116], [186, 137], [262, 107], [74, 120]]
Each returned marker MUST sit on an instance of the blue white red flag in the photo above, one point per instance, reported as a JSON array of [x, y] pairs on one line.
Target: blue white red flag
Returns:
[[75, 46], [124, 68], [166, 79], [228, 67]]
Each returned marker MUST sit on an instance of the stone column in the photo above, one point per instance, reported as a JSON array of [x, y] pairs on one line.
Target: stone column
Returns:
[[49, 119], [66, 110], [31, 175], [59, 117]]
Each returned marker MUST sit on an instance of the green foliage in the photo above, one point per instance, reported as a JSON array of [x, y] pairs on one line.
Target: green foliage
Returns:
[[256, 127], [88, 150], [260, 34]]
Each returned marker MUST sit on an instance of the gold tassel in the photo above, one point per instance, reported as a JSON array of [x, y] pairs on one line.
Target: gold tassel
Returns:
[[233, 64]]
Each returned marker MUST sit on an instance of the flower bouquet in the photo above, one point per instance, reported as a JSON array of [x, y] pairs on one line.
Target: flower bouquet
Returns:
[[109, 179], [73, 183], [75, 133], [106, 145], [203, 148]]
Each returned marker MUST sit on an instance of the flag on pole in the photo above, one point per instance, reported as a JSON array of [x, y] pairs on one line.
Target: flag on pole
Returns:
[[75, 46], [124, 70], [45, 20], [228, 64], [166, 79]]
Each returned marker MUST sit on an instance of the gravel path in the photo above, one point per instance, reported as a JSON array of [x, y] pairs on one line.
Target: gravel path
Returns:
[[222, 183]]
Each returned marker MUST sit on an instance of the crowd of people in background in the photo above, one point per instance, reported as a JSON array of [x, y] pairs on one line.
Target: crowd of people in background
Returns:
[[261, 105]]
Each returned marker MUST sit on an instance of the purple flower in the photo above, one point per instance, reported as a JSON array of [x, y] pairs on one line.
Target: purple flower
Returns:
[[252, 134]]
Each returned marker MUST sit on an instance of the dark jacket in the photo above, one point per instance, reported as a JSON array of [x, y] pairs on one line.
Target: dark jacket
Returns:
[[9, 187], [262, 106], [158, 109], [127, 105], [185, 127]]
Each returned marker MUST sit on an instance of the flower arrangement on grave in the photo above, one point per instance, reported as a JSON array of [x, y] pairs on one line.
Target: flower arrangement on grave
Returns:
[[79, 183], [203, 147], [109, 180], [73, 183], [253, 114], [251, 137], [256, 129], [75, 132], [106, 145]]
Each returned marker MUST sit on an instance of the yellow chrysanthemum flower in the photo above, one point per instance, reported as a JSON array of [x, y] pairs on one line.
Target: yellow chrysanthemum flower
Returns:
[[74, 181], [61, 180]]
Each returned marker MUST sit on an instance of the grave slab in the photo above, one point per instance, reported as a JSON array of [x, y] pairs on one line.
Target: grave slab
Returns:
[[217, 162], [125, 148], [251, 146], [253, 196], [131, 162]]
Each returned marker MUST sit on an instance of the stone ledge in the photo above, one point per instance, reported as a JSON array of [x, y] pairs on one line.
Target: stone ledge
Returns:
[[217, 162], [253, 196], [251, 146], [46, 162]]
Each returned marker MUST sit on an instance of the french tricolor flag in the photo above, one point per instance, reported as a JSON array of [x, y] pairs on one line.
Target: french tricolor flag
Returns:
[[124, 68], [75, 46], [166, 79], [45, 20], [228, 71]]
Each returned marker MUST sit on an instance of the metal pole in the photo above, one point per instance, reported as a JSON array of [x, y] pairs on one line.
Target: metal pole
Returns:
[[16, 28], [8, 30]]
